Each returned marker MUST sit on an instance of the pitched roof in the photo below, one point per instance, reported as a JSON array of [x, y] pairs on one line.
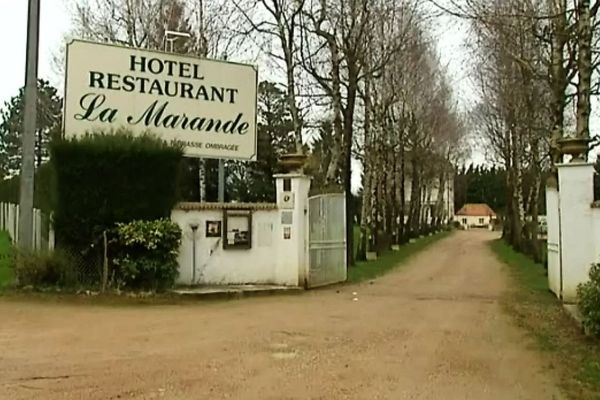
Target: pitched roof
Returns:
[[476, 210]]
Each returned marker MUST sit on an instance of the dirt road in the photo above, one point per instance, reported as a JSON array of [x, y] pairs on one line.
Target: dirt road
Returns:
[[431, 330]]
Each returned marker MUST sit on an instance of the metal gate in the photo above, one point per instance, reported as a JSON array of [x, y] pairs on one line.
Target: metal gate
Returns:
[[327, 240]]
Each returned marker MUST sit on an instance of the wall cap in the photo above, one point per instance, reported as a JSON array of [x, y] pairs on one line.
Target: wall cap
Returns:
[[196, 206], [575, 164], [292, 175]]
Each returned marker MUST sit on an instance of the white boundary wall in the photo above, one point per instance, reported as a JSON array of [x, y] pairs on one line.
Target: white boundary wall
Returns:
[[279, 240]]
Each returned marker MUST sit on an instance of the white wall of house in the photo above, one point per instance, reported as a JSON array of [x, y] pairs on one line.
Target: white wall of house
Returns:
[[430, 197], [469, 221]]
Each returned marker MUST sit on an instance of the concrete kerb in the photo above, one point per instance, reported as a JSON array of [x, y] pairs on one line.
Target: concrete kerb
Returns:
[[234, 292]]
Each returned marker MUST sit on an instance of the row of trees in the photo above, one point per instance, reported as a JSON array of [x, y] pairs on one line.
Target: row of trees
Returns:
[[371, 68], [534, 62], [360, 83]]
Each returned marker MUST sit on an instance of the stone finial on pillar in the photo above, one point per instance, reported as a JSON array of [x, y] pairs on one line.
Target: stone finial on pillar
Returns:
[[576, 147], [293, 162]]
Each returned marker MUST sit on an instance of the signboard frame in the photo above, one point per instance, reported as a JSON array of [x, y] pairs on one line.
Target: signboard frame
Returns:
[[160, 53]]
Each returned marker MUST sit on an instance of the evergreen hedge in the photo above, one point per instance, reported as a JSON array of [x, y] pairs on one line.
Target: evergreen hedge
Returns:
[[104, 179], [588, 301]]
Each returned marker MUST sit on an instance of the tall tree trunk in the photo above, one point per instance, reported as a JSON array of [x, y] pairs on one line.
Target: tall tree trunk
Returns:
[[368, 181], [202, 180], [337, 152], [584, 66], [415, 197], [439, 207], [518, 209], [39, 150], [558, 78], [390, 188], [394, 199], [402, 232], [375, 187], [286, 37], [535, 242], [348, 114]]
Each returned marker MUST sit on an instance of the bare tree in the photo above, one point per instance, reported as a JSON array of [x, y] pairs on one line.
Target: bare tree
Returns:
[[143, 23], [410, 133], [281, 23], [521, 112]]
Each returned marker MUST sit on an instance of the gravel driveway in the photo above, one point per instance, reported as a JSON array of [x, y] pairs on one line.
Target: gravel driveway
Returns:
[[433, 329]]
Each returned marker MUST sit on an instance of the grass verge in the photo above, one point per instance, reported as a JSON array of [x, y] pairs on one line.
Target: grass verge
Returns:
[[575, 357], [365, 270], [6, 272]]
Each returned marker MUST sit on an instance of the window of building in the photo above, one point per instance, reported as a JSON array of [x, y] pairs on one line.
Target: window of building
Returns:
[[481, 221]]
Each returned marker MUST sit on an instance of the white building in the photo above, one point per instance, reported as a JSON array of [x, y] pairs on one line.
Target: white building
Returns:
[[430, 200], [475, 216]]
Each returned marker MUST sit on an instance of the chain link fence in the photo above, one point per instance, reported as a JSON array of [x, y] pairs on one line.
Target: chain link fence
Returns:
[[91, 268]]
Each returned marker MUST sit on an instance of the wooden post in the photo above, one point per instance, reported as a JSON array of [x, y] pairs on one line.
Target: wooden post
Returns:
[[105, 264]]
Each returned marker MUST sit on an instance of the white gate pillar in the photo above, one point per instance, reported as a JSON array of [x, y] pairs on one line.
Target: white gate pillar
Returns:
[[576, 194], [292, 202]]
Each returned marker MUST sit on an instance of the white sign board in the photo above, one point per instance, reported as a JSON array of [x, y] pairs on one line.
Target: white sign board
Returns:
[[208, 105]]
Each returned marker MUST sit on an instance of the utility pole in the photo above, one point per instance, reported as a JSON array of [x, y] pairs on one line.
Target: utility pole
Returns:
[[25, 236]]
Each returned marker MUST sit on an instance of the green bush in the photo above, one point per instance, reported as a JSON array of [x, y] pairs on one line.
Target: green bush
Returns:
[[104, 179], [588, 295], [145, 255], [50, 268]]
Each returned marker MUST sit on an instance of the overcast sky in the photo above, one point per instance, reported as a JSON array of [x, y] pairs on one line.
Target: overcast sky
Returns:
[[55, 22]]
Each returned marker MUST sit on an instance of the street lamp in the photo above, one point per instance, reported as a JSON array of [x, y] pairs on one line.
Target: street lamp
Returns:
[[172, 36]]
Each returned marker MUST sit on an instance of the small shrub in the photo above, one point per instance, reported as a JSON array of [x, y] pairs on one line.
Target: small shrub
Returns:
[[146, 254], [50, 268], [588, 295]]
